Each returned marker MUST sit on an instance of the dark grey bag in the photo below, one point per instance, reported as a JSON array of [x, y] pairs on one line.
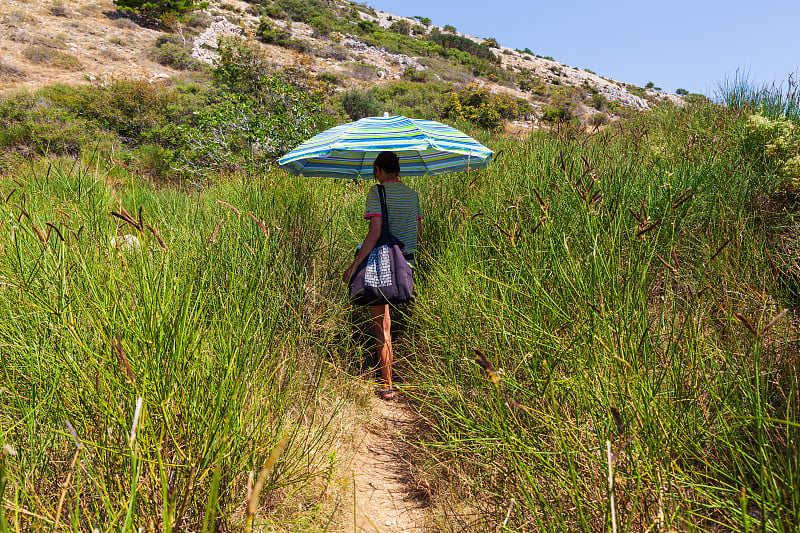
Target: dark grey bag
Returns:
[[384, 276]]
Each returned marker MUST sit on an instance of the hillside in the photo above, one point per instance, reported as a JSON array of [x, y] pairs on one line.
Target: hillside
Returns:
[[77, 41]]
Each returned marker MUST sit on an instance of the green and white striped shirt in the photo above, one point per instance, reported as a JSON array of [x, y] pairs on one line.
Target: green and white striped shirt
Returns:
[[402, 204]]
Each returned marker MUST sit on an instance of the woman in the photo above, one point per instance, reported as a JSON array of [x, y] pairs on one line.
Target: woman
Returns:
[[402, 205]]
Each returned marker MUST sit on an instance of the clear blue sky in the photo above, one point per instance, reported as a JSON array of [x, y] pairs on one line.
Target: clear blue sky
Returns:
[[689, 45]]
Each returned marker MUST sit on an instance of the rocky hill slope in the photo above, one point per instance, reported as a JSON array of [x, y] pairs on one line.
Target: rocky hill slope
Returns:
[[77, 41]]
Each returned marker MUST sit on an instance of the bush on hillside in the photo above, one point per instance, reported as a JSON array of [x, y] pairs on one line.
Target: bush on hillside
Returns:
[[555, 113], [268, 113], [598, 101], [172, 51], [775, 145], [159, 9], [271, 33], [321, 26], [476, 104], [417, 75], [400, 26], [359, 104], [305, 10], [448, 41]]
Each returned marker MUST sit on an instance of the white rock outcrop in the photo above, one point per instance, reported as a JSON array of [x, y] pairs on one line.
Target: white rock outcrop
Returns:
[[205, 45]]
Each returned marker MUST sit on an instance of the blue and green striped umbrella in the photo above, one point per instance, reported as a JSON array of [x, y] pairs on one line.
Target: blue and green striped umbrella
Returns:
[[423, 146]]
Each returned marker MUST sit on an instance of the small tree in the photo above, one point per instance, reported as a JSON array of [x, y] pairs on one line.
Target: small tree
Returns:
[[449, 29], [649, 85], [400, 26], [358, 104], [267, 113], [158, 9], [681, 92]]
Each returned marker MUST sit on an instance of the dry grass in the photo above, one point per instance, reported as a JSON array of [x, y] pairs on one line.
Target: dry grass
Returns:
[[15, 19], [45, 55], [11, 72], [39, 39]]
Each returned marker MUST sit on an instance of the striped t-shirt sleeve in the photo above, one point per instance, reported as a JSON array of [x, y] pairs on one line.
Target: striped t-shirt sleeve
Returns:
[[373, 203]]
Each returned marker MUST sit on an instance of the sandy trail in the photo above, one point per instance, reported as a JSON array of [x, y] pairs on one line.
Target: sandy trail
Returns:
[[384, 498]]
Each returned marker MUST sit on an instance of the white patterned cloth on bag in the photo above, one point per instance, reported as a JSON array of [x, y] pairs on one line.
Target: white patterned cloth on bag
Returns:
[[379, 269]]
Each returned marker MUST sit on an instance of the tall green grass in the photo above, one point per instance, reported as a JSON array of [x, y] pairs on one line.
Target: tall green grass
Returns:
[[144, 385], [771, 100], [622, 282]]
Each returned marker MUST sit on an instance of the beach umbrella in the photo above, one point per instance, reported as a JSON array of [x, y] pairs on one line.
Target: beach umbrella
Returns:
[[423, 147]]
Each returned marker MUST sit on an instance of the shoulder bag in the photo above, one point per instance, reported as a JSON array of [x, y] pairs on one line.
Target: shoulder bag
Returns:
[[384, 276]]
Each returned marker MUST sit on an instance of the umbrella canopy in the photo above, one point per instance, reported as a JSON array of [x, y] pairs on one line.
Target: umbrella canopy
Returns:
[[423, 147]]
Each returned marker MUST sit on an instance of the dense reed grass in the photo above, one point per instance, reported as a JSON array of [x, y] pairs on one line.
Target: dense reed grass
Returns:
[[624, 283], [158, 345], [772, 100]]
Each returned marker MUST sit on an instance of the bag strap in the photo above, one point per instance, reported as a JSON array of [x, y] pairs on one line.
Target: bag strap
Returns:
[[384, 212]]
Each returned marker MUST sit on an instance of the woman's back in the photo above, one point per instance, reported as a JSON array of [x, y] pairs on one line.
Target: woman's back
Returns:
[[402, 204]]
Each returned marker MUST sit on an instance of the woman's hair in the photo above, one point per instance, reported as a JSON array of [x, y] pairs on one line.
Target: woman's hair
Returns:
[[388, 161]]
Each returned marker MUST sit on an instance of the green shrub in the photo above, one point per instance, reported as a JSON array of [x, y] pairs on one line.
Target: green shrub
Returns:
[[273, 11], [321, 26], [681, 92], [272, 33], [153, 160], [401, 27], [598, 101], [330, 78], [160, 9], [127, 108], [367, 26], [230, 7], [649, 85], [305, 10], [417, 75], [359, 104], [424, 20], [449, 41], [476, 104], [555, 113], [170, 51], [597, 119], [491, 42], [774, 144], [449, 29]]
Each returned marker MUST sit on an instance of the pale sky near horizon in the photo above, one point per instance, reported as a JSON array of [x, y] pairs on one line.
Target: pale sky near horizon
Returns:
[[673, 44]]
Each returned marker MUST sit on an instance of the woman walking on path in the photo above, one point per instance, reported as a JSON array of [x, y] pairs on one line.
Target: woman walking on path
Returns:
[[402, 204]]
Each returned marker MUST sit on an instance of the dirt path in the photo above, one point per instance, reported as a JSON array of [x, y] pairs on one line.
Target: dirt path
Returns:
[[384, 498]]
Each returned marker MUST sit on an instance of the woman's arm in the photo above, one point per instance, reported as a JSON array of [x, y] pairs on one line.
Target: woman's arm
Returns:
[[374, 233]]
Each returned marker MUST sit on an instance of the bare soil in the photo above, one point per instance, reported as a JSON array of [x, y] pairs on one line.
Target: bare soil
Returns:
[[385, 498]]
